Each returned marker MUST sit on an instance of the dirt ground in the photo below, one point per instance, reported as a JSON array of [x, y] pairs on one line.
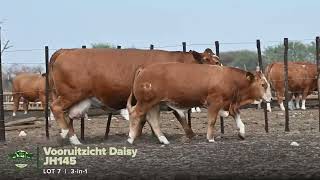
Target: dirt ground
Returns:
[[260, 156]]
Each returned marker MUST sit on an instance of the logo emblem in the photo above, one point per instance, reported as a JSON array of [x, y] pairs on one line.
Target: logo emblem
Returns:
[[21, 158]]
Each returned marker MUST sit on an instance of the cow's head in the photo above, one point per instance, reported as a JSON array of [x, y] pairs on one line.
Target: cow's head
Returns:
[[259, 86], [207, 57]]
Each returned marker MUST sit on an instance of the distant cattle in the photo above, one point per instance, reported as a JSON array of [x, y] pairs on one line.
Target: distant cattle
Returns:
[[181, 86], [30, 87], [81, 77], [302, 80]]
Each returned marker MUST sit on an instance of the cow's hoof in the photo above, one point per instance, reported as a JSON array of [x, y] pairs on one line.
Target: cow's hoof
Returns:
[[241, 136], [130, 140], [211, 140], [303, 108], [14, 114], [163, 140], [74, 140], [190, 135]]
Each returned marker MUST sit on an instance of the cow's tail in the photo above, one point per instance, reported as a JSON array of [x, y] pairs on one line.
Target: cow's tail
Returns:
[[131, 98], [54, 57]]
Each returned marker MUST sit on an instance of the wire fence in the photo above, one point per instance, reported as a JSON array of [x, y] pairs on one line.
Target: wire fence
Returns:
[[27, 61]]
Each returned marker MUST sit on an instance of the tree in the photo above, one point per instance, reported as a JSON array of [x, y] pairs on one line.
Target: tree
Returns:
[[6, 45], [243, 59], [102, 45], [297, 51]]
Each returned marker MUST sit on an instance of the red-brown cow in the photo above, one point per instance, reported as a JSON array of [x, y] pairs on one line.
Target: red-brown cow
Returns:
[[81, 77], [30, 87], [182, 86], [302, 80]]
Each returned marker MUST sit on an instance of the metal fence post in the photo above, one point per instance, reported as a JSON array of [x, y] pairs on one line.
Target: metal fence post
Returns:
[[266, 124], [286, 84], [46, 110], [151, 46], [318, 69], [118, 47], [184, 49], [217, 45], [82, 118], [2, 126]]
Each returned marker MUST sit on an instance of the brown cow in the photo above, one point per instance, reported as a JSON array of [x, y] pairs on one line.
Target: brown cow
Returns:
[[182, 86], [81, 77], [302, 80], [30, 87]]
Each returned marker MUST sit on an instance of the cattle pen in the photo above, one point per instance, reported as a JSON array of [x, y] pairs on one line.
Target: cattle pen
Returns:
[[262, 125]]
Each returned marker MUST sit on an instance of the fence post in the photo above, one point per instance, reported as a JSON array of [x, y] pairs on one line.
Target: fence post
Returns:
[[2, 126], [184, 49], [118, 47], [151, 46], [318, 69], [46, 110], [266, 124], [82, 118], [217, 45], [286, 84]]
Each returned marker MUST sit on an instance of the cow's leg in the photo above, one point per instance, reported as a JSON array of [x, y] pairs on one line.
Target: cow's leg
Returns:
[[153, 117], [198, 109], [291, 103], [280, 98], [16, 99], [298, 101], [181, 117], [268, 107], [304, 97], [124, 113], [212, 117], [25, 106], [58, 106], [240, 126], [72, 136]]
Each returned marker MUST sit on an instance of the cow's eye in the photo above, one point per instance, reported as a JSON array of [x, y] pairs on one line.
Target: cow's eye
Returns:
[[264, 85]]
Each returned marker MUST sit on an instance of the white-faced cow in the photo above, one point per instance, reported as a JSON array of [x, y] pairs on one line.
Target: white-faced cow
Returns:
[[181, 86], [302, 80], [81, 77]]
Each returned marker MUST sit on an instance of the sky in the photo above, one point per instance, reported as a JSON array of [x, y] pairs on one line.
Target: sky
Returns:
[[33, 24]]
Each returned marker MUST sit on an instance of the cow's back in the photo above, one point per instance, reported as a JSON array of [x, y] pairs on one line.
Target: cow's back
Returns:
[[103, 73], [28, 85], [300, 75]]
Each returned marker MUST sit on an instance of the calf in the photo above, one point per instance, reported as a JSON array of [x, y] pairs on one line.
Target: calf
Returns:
[[182, 86]]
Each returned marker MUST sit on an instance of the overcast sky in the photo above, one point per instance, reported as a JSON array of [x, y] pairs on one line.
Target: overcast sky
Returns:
[[32, 24]]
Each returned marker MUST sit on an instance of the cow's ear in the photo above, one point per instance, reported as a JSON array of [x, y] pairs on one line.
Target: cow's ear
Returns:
[[250, 77], [197, 56], [209, 51]]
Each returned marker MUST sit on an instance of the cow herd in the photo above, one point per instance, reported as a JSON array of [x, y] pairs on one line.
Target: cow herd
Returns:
[[143, 80]]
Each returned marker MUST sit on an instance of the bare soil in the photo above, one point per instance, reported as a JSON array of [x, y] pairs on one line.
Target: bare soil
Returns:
[[260, 156]]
